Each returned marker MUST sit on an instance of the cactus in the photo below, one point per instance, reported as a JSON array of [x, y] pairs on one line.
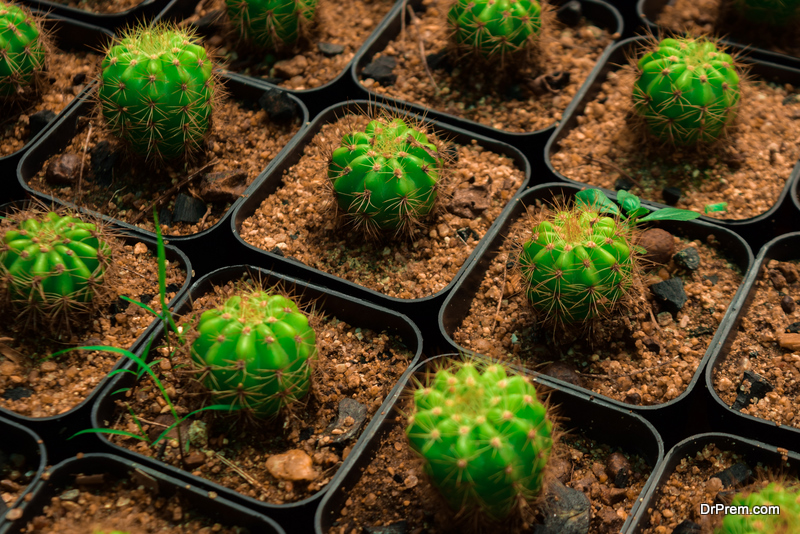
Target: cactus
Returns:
[[157, 91], [778, 494], [385, 178], [687, 91], [271, 24], [52, 266], [768, 12], [22, 51], [255, 352], [495, 28], [484, 437]]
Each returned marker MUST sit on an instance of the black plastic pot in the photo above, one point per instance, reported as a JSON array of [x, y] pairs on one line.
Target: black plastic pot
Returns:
[[591, 417], [598, 12], [60, 135], [90, 472], [751, 452], [58, 428], [755, 229], [672, 427], [16, 439], [296, 516], [69, 35], [113, 22]]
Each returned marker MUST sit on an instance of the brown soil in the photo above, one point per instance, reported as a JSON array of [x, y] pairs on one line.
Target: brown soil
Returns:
[[57, 91], [748, 170], [305, 66], [713, 17], [15, 475], [393, 487], [242, 138], [563, 49], [53, 386], [638, 355], [353, 363], [762, 346], [399, 269], [101, 6]]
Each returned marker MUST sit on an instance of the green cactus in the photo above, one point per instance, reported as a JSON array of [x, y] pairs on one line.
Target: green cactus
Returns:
[[157, 91], [786, 522], [271, 24], [52, 266], [495, 28], [687, 91], [768, 12], [255, 352], [483, 435], [385, 178], [23, 49]]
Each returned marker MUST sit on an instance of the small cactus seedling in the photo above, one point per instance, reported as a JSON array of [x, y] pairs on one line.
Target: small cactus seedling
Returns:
[[157, 91], [255, 352], [768, 12], [580, 262], [483, 435], [271, 24], [52, 267], [787, 501], [495, 28], [23, 49], [687, 91], [386, 177]]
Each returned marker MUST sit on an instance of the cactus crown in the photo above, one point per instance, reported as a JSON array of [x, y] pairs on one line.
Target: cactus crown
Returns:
[[687, 91], [769, 12], [255, 352], [23, 49], [495, 28], [157, 91], [271, 24], [483, 435], [386, 177], [775, 494]]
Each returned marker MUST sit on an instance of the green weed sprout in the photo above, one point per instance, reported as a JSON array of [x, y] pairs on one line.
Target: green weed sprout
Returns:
[[494, 29], [255, 352], [580, 261], [483, 435], [23, 51], [271, 24], [157, 91], [52, 268], [768, 12], [787, 499], [386, 177], [687, 91]]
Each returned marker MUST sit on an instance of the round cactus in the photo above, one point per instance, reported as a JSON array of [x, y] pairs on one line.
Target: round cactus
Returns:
[[271, 24], [385, 178], [483, 435], [495, 28], [52, 266], [577, 264], [157, 91], [775, 494], [769, 12], [687, 91], [255, 352], [22, 50]]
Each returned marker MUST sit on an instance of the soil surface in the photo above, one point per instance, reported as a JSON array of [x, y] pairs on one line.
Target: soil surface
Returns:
[[33, 385], [747, 170], [520, 102], [100, 6], [17, 471], [638, 354], [308, 64], [478, 187], [355, 365], [766, 344]]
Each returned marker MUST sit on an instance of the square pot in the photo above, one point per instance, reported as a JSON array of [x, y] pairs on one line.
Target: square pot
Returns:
[[23, 451], [113, 22]]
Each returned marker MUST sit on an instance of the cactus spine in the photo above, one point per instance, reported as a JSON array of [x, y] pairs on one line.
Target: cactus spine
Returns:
[[775, 494], [255, 352], [687, 91], [157, 91], [495, 28], [385, 178], [22, 51], [483, 435], [271, 24]]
